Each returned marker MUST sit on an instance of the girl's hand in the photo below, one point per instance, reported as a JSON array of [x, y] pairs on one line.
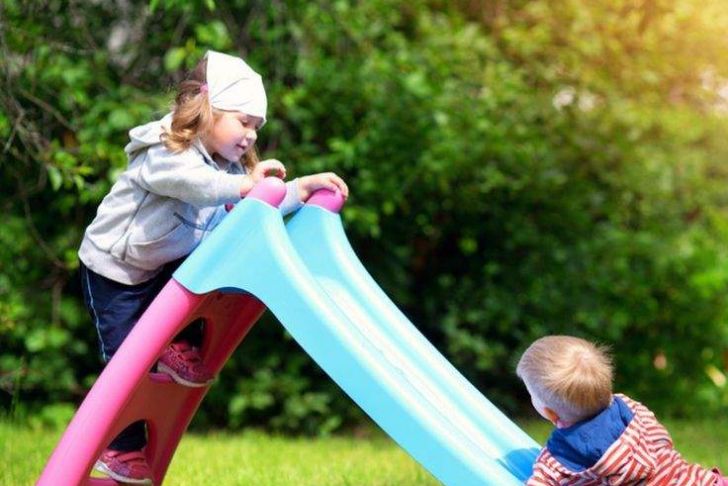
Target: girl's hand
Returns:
[[262, 169], [265, 168], [307, 185]]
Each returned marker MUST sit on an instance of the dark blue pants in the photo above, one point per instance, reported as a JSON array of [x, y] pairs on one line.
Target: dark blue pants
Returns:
[[115, 308]]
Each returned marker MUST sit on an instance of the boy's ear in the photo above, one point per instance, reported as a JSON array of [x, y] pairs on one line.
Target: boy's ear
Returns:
[[551, 415]]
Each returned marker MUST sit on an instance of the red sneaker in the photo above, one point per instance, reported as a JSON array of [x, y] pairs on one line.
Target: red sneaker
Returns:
[[125, 466], [183, 363]]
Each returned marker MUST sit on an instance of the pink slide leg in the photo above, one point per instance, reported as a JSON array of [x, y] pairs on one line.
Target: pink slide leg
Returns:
[[126, 392]]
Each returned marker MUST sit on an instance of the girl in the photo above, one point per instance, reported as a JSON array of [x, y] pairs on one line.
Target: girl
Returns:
[[183, 170]]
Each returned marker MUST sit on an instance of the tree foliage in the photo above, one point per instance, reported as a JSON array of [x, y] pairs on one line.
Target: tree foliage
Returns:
[[517, 169]]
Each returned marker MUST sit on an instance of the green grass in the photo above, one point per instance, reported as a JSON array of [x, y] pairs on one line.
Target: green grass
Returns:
[[240, 459], [263, 460]]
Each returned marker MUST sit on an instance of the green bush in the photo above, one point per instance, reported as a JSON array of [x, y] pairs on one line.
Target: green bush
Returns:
[[516, 170]]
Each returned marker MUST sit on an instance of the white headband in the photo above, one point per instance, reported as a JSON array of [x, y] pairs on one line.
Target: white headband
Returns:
[[234, 86]]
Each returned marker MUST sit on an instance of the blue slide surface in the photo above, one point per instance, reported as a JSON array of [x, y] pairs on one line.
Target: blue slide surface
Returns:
[[319, 237], [313, 283]]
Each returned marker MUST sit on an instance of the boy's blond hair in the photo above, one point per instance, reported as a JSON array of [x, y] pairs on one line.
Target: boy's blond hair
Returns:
[[569, 375], [193, 116]]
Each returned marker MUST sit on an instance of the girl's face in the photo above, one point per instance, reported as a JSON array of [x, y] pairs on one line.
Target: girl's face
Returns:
[[233, 134]]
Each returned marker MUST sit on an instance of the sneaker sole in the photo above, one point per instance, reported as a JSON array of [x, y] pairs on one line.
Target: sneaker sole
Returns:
[[103, 468], [162, 368]]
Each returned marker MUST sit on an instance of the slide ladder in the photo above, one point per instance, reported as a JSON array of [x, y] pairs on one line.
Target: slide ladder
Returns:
[[126, 391]]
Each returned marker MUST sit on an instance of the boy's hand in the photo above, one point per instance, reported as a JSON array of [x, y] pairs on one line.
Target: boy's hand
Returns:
[[307, 185]]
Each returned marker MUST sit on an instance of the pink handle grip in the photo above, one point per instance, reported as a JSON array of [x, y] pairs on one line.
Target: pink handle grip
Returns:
[[271, 190], [333, 201]]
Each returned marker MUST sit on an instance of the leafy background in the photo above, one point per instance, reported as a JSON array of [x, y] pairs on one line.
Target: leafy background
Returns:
[[518, 168]]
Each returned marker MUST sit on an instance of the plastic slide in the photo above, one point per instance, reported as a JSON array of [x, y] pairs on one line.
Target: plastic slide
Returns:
[[317, 233], [376, 356]]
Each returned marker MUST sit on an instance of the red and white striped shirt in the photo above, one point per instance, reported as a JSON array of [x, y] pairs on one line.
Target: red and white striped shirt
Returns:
[[642, 455]]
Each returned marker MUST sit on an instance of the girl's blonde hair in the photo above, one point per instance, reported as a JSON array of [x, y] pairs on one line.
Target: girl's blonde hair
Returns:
[[570, 375], [193, 116]]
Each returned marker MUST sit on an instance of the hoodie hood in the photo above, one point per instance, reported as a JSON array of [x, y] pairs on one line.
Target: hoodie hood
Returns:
[[588, 446], [150, 134], [624, 444], [147, 135]]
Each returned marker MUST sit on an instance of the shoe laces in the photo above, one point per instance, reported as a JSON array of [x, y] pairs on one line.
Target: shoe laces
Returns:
[[187, 352], [131, 457]]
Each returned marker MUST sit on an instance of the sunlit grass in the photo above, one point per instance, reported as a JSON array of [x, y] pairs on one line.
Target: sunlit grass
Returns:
[[240, 459], [223, 459], [261, 459]]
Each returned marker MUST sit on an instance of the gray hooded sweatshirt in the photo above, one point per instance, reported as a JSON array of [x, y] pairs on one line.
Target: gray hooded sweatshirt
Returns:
[[161, 207]]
